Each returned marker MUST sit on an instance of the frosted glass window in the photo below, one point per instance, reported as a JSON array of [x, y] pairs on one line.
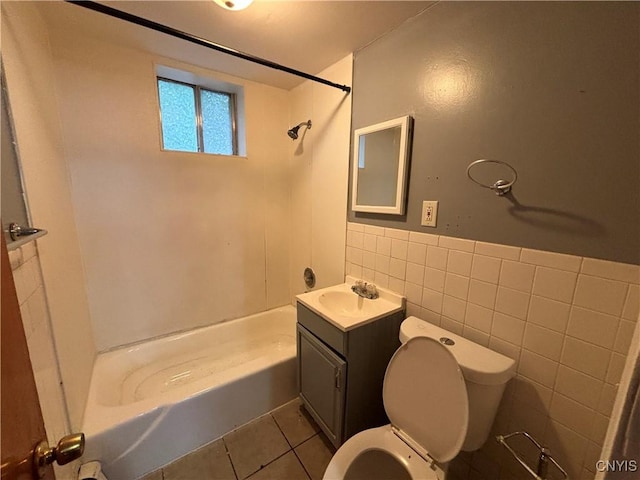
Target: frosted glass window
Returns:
[[178, 111], [195, 119], [217, 122]]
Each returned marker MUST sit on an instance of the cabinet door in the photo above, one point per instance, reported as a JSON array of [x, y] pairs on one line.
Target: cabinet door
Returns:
[[322, 380]]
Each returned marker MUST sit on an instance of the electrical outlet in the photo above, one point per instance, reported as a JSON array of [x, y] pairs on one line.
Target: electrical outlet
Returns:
[[429, 213]]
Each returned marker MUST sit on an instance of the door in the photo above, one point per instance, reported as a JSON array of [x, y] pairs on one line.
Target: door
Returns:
[[21, 418], [322, 380]]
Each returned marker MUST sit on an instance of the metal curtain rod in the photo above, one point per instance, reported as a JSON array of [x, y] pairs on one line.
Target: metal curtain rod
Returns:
[[200, 41]]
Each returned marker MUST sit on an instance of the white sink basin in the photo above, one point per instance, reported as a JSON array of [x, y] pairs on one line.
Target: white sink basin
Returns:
[[346, 310]]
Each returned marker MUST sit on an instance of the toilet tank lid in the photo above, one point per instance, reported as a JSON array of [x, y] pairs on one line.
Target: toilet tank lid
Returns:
[[478, 364]]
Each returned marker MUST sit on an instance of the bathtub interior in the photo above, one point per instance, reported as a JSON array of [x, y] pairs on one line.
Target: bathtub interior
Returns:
[[186, 390]]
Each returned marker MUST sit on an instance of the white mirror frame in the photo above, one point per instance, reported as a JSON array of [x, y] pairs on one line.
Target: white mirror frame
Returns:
[[406, 124]]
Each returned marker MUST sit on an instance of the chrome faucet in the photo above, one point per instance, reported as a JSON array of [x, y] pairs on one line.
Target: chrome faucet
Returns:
[[365, 290]]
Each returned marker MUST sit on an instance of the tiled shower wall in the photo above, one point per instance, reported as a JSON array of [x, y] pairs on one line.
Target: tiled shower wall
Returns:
[[566, 320]]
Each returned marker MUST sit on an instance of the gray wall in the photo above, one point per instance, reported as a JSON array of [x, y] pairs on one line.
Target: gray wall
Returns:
[[551, 88]]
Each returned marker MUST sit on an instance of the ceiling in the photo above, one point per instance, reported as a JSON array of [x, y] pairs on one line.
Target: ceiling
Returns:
[[304, 35]]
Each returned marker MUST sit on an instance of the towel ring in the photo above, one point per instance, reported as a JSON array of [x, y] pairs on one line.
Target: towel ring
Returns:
[[501, 186]]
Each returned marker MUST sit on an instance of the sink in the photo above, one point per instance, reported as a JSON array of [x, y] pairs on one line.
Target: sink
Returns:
[[345, 309]]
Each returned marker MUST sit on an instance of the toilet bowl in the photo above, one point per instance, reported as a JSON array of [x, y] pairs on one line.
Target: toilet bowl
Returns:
[[441, 392]]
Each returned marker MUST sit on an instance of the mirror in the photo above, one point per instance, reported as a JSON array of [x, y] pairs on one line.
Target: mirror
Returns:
[[380, 166]]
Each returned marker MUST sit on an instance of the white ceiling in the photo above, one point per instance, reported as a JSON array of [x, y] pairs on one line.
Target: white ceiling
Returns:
[[305, 35]]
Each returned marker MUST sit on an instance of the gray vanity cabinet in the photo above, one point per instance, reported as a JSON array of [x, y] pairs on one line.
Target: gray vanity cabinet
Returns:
[[340, 374]]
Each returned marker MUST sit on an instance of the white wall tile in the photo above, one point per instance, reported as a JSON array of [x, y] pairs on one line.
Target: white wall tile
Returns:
[[622, 272], [476, 336], [374, 230], [396, 285], [555, 284], [399, 248], [355, 271], [578, 386], [357, 239], [478, 317], [397, 268], [430, 316], [518, 276], [482, 293], [397, 234], [434, 279], [425, 238], [549, 313], [355, 227], [632, 304], [607, 399], [451, 325], [383, 246], [414, 273], [499, 251], [381, 279], [28, 251], [505, 348], [543, 341], [571, 414], [507, 328], [16, 258], [454, 308], [585, 357], [413, 293], [459, 262], [368, 260], [542, 258], [382, 264], [417, 253], [437, 257], [538, 368], [453, 243], [456, 285], [616, 365], [413, 310], [432, 300], [369, 242], [602, 295], [512, 302], [368, 274], [356, 256], [486, 268], [624, 336], [593, 327]]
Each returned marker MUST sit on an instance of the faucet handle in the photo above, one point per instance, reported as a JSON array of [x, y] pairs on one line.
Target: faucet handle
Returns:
[[372, 290]]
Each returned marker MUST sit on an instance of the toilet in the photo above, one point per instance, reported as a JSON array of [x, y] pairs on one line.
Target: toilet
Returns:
[[441, 393]]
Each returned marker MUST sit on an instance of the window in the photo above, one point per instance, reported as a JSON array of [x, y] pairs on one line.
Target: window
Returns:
[[197, 119]]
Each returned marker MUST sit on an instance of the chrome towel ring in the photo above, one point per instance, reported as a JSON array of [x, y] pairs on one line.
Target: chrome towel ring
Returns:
[[500, 186]]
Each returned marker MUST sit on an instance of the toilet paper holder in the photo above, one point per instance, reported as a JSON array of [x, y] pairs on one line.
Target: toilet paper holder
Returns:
[[544, 458]]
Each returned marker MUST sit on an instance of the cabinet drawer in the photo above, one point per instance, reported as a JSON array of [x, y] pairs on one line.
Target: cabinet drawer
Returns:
[[332, 336]]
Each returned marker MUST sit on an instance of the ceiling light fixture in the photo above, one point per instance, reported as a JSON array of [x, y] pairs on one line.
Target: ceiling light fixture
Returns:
[[234, 4]]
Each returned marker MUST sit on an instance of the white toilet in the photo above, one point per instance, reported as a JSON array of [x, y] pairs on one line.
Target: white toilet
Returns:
[[441, 392]]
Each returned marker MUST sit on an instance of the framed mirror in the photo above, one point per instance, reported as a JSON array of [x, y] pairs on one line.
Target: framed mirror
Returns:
[[380, 166]]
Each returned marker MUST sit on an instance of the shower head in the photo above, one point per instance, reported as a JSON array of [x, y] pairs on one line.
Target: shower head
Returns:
[[293, 133]]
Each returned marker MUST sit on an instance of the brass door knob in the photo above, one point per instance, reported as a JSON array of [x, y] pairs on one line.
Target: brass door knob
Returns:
[[69, 448]]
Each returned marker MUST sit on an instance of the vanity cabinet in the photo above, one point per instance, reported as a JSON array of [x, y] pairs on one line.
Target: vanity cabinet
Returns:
[[340, 373]]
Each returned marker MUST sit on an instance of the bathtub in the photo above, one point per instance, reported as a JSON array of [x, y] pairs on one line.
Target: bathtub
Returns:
[[153, 402]]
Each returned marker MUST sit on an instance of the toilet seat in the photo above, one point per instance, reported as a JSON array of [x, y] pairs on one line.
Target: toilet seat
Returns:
[[385, 440], [425, 398]]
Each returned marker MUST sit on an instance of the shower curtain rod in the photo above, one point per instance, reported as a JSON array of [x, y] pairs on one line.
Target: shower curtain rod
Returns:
[[200, 41]]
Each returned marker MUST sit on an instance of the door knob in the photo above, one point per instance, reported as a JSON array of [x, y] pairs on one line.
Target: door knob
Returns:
[[69, 448]]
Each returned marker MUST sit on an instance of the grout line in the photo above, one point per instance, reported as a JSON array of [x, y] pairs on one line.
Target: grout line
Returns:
[[233, 467]]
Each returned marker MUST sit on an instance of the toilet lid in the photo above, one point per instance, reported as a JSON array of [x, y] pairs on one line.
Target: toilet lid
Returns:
[[425, 397]]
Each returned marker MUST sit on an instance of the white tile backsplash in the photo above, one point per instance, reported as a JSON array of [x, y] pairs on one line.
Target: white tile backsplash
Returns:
[[565, 320]]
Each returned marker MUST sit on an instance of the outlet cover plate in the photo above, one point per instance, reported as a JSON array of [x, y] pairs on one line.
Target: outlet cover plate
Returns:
[[429, 213]]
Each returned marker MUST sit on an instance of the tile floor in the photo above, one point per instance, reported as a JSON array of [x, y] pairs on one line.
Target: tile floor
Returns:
[[285, 444]]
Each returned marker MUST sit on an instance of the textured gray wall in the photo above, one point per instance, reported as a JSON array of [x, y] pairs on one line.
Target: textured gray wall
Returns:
[[552, 88]]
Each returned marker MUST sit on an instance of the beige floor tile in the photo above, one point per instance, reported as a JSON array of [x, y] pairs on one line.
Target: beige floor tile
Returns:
[[255, 445], [287, 467], [315, 455], [210, 462], [294, 421]]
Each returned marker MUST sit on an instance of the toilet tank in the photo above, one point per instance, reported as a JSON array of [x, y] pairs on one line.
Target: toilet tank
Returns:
[[486, 374]]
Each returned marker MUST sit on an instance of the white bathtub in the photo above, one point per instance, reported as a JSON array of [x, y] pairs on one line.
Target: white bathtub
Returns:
[[151, 403]]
